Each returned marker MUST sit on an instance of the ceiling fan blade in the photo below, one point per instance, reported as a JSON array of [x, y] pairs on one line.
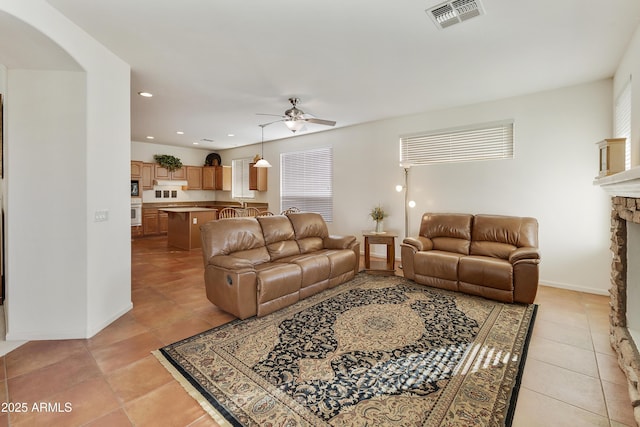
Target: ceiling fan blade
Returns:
[[267, 114], [320, 121]]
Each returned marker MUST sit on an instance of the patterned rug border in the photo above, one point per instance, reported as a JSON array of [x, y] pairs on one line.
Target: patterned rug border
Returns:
[[224, 417]]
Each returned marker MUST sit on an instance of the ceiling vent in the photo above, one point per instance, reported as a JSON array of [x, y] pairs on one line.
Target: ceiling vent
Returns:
[[453, 12]]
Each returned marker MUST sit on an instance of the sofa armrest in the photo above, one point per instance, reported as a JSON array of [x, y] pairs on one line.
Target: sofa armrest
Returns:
[[339, 242], [419, 243], [525, 254], [232, 263]]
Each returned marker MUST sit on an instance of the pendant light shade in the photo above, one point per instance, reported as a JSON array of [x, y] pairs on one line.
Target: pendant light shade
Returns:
[[262, 163]]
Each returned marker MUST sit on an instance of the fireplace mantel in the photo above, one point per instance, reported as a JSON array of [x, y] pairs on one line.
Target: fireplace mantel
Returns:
[[623, 184]]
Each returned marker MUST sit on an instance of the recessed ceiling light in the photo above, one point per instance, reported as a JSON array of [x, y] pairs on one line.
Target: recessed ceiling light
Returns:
[[196, 143], [150, 137], [145, 94], [230, 134], [180, 132]]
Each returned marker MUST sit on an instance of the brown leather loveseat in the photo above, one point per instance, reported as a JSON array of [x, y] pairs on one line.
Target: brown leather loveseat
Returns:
[[255, 266], [492, 256]]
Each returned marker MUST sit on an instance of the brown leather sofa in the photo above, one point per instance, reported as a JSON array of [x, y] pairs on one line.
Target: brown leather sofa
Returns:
[[255, 266], [491, 256]]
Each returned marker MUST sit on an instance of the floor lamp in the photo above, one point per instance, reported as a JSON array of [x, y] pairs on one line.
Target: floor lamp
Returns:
[[407, 203]]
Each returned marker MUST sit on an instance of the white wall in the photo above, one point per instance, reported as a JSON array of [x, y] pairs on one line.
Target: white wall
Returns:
[[628, 68], [550, 178], [68, 276]]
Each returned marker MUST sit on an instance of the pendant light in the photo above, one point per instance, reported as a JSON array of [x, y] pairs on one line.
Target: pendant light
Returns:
[[262, 163]]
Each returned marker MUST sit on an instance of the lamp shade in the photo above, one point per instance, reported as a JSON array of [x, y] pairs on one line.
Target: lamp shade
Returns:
[[294, 125], [262, 163]]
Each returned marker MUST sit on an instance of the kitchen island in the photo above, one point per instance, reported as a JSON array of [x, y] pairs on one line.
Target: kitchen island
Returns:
[[184, 225]]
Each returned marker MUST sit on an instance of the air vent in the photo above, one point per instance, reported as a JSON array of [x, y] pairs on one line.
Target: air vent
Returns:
[[453, 12]]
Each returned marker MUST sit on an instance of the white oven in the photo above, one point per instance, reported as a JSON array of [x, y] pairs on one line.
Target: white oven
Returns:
[[136, 211]]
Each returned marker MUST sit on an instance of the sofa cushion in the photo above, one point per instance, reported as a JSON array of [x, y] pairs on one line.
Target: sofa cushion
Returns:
[[275, 280], [486, 271], [498, 236], [310, 230], [278, 236], [443, 265], [241, 237], [447, 232]]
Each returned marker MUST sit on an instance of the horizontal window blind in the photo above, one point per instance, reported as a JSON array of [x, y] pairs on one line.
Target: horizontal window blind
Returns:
[[482, 142], [622, 119], [306, 179]]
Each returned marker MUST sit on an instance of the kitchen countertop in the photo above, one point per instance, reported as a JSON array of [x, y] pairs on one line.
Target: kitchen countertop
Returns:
[[186, 209]]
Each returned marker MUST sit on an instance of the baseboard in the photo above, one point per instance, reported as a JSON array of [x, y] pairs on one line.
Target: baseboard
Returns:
[[576, 288], [93, 331], [67, 334]]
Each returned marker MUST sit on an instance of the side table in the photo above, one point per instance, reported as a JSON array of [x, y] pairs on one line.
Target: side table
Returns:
[[386, 238]]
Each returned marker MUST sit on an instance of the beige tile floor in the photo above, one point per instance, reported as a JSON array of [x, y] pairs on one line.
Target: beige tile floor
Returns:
[[571, 376]]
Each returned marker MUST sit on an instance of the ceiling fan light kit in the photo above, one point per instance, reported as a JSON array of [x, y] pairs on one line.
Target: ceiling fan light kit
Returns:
[[295, 119]]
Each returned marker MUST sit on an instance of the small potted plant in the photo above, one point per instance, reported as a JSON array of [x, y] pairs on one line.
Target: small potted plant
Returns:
[[378, 214], [168, 161]]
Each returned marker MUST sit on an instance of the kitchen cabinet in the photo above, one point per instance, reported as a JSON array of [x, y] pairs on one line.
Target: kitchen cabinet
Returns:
[[209, 178], [257, 178], [154, 222], [150, 222], [194, 177], [222, 178], [146, 180], [161, 173], [136, 169], [179, 173]]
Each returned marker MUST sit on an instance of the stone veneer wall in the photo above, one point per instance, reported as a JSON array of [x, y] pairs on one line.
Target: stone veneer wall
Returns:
[[624, 209]]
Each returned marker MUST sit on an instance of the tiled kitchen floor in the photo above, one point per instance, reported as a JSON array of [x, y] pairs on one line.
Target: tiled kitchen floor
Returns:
[[571, 376]]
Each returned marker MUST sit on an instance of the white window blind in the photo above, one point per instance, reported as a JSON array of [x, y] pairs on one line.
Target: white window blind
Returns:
[[240, 179], [622, 119], [482, 142], [306, 181]]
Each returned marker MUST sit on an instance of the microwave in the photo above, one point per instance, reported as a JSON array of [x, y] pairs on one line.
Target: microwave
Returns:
[[135, 188]]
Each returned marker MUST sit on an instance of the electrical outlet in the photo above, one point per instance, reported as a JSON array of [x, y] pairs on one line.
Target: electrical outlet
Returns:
[[101, 216], [195, 220]]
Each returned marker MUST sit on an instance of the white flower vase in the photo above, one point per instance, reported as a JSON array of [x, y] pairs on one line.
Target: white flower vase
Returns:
[[379, 227]]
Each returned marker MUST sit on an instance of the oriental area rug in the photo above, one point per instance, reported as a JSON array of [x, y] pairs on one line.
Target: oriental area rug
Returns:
[[376, 351]]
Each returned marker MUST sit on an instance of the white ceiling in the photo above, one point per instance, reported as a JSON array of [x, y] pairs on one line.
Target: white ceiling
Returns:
[[213, 64]]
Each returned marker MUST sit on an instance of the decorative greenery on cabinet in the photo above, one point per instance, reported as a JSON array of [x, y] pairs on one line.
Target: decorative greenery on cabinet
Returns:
[[168, 161]]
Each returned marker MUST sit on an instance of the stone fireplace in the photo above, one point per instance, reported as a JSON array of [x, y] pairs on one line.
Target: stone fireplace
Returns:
[[624, 317]]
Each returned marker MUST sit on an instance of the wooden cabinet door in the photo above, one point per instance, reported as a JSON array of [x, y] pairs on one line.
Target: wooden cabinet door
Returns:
[[179, 173], [223, 178], [257, 178], [194, 177], [150, 222], [160, 172], [147, 176], [208, 178], [163, 222], [136, 169]]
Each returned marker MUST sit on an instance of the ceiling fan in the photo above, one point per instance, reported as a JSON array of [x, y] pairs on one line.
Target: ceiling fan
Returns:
[[295, 118]]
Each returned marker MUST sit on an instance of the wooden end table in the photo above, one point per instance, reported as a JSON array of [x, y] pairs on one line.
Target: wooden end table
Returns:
[[386, 238]]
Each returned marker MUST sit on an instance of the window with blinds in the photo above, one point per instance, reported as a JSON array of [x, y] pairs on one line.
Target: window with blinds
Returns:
[[622, 119], [481, 142], [306, 179], [240, 179]]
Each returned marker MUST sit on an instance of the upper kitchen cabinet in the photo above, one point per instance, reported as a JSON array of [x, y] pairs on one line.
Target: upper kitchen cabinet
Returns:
[[222, 178], [163, 173], [194, 177], [146, 180], [257, 178], [136, 169], [209, 178]]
